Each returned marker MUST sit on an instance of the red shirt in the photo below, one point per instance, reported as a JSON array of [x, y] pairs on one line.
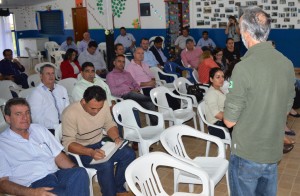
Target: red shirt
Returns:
[[204, 68], [67, 70]]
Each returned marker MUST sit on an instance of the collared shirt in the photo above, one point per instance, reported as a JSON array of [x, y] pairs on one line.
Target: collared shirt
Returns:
[[121, 82], [191, 58], [44, 105], [64, 46], [83, 45], [26, 161], [161, 54], [125, 40], [96, 59], [150, 59], [7, 68], [140, 73], [181, 41], [209, 43], [82, 85]]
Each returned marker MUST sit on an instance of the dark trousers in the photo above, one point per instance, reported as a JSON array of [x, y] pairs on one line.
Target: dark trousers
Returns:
[[217, 132]]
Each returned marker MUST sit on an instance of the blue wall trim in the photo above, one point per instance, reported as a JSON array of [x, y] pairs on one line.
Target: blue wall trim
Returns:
[[287, 40]]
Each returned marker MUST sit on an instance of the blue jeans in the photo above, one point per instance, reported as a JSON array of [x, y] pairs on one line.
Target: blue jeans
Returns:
[[111, 181], [66, 182], [248, 178]]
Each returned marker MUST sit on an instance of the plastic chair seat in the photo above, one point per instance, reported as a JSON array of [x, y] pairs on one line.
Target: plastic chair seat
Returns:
[[147, 133]]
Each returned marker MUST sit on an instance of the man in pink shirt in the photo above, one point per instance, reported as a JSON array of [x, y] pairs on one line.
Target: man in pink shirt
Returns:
[[190, 56], [141, 71]]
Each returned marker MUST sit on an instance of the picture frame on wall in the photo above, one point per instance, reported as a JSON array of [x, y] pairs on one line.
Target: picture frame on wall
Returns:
[[145, 9]]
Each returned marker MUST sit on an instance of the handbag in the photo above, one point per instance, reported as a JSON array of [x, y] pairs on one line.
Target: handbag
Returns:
[[195, 90]]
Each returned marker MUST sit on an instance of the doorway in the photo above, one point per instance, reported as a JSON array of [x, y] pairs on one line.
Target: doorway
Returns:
[[80, 22]]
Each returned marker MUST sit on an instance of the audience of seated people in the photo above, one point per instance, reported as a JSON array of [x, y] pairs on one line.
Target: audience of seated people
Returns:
[[206, 64], [83, 44], [156, 49], [180, 42], [126, 39], [32, 161], [230, 52], [83, 125], [233, 31], [48, 100], [70, 67], [190, 56], [141, 72], [68, 44], [12, 69], [91, 54], [205, 41], [123, 85], [119, 50], [149, 57]]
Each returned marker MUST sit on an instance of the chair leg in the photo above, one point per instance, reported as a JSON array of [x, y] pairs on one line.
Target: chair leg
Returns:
[[191, 188], [195, 122], [176, 175], [91, 175], [227, 180], [207, 148]]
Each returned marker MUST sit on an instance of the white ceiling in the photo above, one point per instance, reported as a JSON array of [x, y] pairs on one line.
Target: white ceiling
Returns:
[[20, 3]]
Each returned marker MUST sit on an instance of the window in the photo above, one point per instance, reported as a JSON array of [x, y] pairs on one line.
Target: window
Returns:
[[50, 22]]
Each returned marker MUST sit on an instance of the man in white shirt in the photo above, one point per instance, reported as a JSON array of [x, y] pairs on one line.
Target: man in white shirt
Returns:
[[68, 44], [83, 44], [91, 54], [31, 158], [48, 100], [149, 57], [205, 41], [181, 40], [126, 39]]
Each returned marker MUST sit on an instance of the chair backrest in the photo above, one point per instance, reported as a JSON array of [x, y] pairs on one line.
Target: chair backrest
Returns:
[[57, 69], [155, 71], [3, 124], [158, 97], [26, 92], [58, 57], [69, 84], [142, 172], [30, 52], [5, 89], [102, 47], [180, 84], [171, 140], [51, 46], [151, 41], [196, 75], [34, 80]]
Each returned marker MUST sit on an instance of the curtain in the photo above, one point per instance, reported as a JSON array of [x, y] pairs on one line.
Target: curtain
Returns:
[[5, 35]]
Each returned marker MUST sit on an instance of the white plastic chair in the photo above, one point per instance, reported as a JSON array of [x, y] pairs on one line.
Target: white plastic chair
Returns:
[[145, 136], [215, 167], [32, 54], [69, 84], [3, 124], [58, 57], [196, 75], [179, 116], [160, 82], [34, 80], [6, 86], [37, 68], [202, 120], [51, 47], [151, 41], [91, 172], [26, 92], [142, 172]]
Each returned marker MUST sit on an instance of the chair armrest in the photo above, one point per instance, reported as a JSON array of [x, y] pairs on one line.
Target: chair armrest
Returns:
[[77, 158]]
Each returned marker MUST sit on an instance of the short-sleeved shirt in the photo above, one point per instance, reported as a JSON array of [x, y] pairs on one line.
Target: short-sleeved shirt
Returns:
[[96, 58], [181, 41], [26, 161], [125, 40]]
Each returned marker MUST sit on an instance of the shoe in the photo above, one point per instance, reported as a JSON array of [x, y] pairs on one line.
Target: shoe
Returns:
[[294, 115], [287, 148], [291, 133]]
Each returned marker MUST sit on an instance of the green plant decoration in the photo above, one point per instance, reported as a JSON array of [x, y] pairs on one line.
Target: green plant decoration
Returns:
[[118, 6]]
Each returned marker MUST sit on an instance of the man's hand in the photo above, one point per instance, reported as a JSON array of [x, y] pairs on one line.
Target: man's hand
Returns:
[[152, 83], [98, 154], [10, 77], [118, 140], [42, 191], [136, 91]]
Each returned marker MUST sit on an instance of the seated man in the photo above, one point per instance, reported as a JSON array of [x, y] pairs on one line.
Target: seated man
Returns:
[[180, 42], [191, 55], [31, 158], [205, 41], [149, 58], [88, 79], [91, 54], [68, 44], [48, 100], [83, 44], [123, 85], [156, 49], [83, 125], [126, 39], [11, 69], [141, 72]]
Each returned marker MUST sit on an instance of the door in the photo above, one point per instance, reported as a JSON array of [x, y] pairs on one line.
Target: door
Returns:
[[80, 23]]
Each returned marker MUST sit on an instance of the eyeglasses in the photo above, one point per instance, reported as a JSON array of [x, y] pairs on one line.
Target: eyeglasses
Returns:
[[219, 54]]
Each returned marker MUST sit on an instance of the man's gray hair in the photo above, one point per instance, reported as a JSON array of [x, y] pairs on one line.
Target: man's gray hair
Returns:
[[44, 66], [256, 22]]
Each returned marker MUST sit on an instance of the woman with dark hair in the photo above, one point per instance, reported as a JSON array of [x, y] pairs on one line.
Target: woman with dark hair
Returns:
[[233, 31], [219, 58], [214, 102], [70, 67]]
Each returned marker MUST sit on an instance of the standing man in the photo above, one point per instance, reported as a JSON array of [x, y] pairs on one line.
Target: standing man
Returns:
[[205, 41], [31, 158], [149, 58], [11, 69], [83, 44], [126, 39], [48, 100], [68, 44], [83, 125], [260, 96]]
